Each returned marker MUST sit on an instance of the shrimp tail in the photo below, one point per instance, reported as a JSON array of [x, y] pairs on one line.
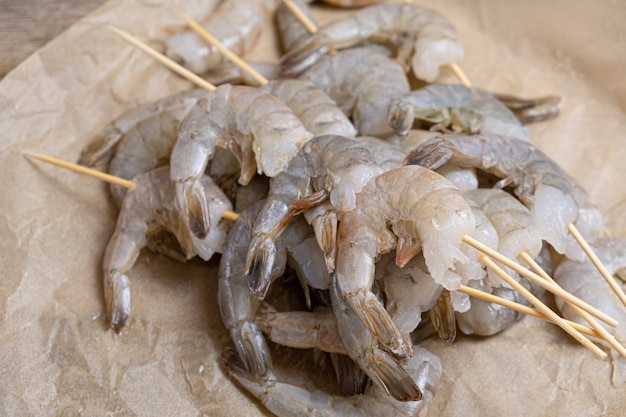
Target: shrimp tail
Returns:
[[534, 109], [373, 314], [237, 370], [432, 155], [325, 228], [406, 249], [392, 377], [304, 56], [196, 209], [117, 295], [252, 349], [261, 258], [400, 116], [443, 318]]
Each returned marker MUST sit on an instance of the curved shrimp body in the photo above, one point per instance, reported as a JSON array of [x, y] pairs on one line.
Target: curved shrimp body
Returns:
[[257, 127], [513, 222], [146, 118], [237, 24], [148, 208], [554, 198], [424, 39], [425, 212], [287, 400], [317, 111], [362, 82], [455, 108], [296, 247], [327, 166], [583, 280]]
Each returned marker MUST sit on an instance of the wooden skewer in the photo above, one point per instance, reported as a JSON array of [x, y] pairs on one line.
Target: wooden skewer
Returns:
[[597, 263], [82, 170], [230, 215], [304, 19], [460, 74], [559, 321], [555, 289], [602, 332], [180, 70], [522, 309], [204, 34]]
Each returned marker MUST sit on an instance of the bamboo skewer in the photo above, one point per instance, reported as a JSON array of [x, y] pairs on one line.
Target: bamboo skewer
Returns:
[[460, 74], [230, 215], [597, 263], [204, 34], [180, 70], [522, 309], [559, 321], [304, 19], [555, 289], [603, 333]]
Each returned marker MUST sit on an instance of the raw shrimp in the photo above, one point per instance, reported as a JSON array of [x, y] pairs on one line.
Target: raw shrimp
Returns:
[[147, 209], [327, 166], [424, 211], [296, 247], [424, 39], [253, 124], [287, 400], [342, 332], [99, 152], [554, 198], [456, 108], [316, 110], [237, 24], [363, 82]]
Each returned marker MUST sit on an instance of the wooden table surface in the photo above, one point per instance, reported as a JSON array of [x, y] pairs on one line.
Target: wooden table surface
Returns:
[[27, 25]]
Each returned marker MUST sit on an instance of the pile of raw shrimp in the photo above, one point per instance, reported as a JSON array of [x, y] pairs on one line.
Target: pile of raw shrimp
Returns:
[[352, 182]]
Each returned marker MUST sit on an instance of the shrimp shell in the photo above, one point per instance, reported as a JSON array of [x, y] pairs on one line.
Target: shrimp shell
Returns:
[[413, 30], [237, 24]]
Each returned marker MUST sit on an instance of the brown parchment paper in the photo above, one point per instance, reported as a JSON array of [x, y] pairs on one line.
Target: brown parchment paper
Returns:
[[58, 359]]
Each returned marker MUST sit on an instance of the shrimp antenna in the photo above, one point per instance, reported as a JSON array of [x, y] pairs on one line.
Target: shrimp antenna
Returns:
[[177, 68], [603, 333], [521, 308], [204, 34], [230, 215], [554, 289], [597, 262], [559, 321]]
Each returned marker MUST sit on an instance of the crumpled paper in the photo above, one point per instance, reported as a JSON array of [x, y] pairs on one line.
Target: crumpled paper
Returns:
[[59, 359]]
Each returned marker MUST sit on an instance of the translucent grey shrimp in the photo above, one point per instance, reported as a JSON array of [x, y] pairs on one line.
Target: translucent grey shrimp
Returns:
[[257, 127], [145, 118], [319, 114], [342, 332], [287, 400], [424, 39], [148, 208], [455, 108], [424, 211], [296, 247], [237, 24], [554, 198], [327, 167], [362, 82]]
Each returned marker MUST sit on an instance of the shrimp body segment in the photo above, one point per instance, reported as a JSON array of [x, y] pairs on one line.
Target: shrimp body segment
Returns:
[[424, 211], [455, 108], [147, 209], [423, 38], [237, 24], [554, 198], [257, 127]]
